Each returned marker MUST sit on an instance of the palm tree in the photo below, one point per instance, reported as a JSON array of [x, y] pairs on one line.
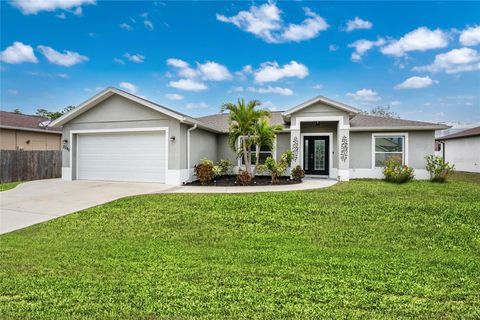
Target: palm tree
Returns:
[[242, 120], [264, 136]]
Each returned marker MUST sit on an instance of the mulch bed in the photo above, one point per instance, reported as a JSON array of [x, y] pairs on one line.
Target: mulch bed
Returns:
[[231, 181]]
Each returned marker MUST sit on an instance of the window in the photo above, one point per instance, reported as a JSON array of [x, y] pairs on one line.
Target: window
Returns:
[[388, 147], [265, 152]]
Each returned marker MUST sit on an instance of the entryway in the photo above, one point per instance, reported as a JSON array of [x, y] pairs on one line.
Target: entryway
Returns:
[[316, 160]]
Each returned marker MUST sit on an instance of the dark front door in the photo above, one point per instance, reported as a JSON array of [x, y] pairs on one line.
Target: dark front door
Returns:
[[316, 155]]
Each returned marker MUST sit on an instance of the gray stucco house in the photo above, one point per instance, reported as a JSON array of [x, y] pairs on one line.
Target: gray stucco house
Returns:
[[118, 136]]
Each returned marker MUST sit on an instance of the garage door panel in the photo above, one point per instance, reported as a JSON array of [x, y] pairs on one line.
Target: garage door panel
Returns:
[[129, 156]]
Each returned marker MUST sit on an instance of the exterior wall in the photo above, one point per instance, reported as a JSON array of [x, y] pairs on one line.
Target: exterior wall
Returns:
[[283, 143], [223, 149], [17, 139], [320, 110], [203, 145], [119, 113], [420, 145], [360, 150], [464, 153]]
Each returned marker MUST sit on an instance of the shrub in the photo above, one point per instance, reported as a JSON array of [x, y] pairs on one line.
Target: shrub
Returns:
[[439, 169], [394, 171], [277, 169], [244, 178], [205, 171], [298, 173], [224, 167]]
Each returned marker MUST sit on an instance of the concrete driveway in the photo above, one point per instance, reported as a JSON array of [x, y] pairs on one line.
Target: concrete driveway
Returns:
[[38, 201]]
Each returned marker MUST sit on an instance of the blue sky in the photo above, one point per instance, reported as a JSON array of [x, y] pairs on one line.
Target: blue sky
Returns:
[[422, 59]]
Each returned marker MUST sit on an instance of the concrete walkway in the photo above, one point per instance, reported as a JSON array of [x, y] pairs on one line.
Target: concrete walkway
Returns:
[[307, 184], [38, 201]]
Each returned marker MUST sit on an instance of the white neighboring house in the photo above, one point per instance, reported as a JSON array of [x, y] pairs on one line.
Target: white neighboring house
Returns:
[[461, 149]]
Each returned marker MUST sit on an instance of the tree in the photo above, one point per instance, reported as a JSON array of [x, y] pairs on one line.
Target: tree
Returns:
[[242, 120], [52, 115], [383, 112], [264, 136], [17, 111]]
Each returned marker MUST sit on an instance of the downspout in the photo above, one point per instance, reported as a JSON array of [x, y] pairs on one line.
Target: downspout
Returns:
[[443, 150], [188, 151]]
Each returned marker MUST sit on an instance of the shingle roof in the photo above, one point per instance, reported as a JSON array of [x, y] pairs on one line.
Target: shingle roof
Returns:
[[219, 121], [360, 121], [28, 122], [367, 121], [462, 134]]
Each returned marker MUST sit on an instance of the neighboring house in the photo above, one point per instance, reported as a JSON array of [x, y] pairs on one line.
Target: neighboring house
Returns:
[[462, 149], [119, 136], [27, 132]]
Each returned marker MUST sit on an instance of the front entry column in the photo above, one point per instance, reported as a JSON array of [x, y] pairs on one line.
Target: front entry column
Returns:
[[295, 144], [343, 153]]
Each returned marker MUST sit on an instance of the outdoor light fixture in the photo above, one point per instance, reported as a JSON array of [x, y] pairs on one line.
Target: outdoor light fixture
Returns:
[[172, 138], [28, 141]]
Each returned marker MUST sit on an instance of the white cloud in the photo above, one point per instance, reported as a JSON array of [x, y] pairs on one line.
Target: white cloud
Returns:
[[271, 71], [18, 53], [63, 75], [308, 29], [266, 22], [137, 58], [362, 46], [61, 15], [34, 6], [174, 96], [126, 26], [128, 86], [416, 83], [270, 89], [395, 103], [236, 89], [214, 71], [246, 70], [317, 87], [13, 92], [366, 95], [358, 23], [470, 36], [149, 25], [420, 39], [200, 105], [333, 47], [119, 61], [184, 69], [269, 105], [188, 85], [454, 61], [66, 59], [78, 11]]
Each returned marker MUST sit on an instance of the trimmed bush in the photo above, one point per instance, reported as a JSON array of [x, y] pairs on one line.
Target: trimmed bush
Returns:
[[244, 178], [395, 172], [297, 173], [439, 169], [205, 171], [277, 169], [224, 167]]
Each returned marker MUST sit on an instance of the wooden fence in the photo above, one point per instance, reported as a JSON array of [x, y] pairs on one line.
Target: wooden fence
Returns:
[[19, 165]]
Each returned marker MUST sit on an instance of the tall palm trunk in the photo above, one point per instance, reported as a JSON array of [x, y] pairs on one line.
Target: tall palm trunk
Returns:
[[246, 157], [257, 160]]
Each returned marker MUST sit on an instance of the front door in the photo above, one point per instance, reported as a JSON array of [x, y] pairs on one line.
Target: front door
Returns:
[[316, 155]]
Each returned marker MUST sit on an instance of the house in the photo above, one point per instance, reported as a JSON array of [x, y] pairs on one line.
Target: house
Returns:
[[118, 136], [27, 132], [462, 149]]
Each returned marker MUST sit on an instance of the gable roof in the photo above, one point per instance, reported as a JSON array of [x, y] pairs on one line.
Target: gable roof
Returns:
[[324, 100], [26, 122], [473, 132], [363, 122], [110, 91]]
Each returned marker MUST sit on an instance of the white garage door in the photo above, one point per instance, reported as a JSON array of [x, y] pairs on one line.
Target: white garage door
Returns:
[[126, 156]]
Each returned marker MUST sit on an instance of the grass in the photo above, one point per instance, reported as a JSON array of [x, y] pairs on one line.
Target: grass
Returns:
[[8, 185], [363, 249], [465, 176]]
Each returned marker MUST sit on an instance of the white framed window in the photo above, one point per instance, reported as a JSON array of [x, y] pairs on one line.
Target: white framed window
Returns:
[[386, 146], [265, 152]]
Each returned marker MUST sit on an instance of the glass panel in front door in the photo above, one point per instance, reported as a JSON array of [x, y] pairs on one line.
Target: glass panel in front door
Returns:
[[306, 155], [319, 155]]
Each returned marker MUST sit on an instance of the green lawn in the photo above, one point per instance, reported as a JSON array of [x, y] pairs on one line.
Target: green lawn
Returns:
[[363, 249], [8, 185]]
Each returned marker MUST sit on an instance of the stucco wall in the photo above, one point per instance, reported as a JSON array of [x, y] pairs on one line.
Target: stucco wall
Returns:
[[17, 139], [420, 144], [117, 112], [203, 146], [283, 143], [223, 149], [320, 110], [464, 153]]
